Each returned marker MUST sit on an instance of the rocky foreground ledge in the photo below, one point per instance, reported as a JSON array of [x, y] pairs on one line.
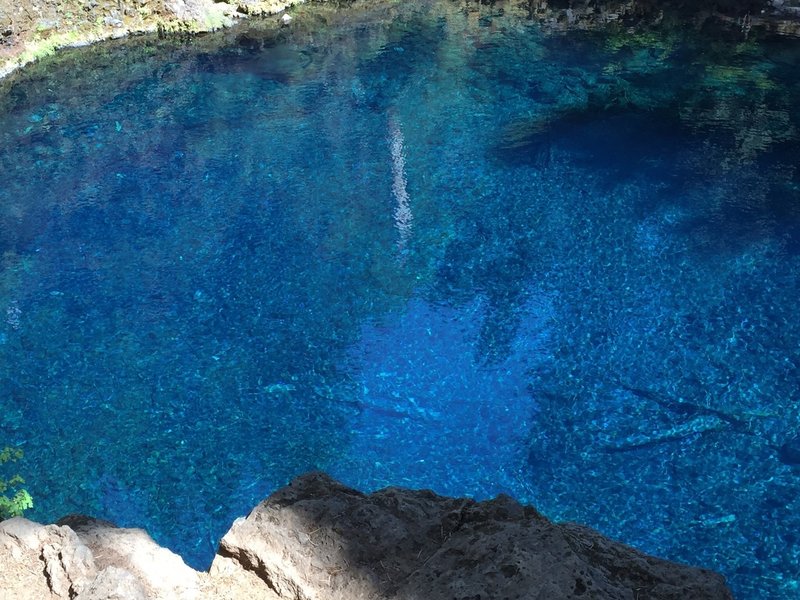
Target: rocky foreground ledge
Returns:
[[317, 539]]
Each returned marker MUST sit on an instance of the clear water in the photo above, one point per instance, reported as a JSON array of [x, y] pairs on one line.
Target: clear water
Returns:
[[424, 246]]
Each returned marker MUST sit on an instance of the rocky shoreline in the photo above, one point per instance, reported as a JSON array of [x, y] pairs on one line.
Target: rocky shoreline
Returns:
[[37, 28], [317, 539], [32, 30]]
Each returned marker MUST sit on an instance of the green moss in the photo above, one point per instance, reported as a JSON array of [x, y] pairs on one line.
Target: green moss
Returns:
[[737, 78], [41, 48], [662, 44]]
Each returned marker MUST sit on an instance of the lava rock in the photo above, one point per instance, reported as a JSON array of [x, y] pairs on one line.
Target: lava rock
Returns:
[[319, 539]]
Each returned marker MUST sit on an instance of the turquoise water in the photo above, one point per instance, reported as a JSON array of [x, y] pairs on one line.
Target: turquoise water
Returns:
[[449, 249]]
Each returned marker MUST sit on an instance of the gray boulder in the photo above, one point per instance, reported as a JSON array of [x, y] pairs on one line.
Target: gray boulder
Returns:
[[317, 539], [42, 561], [85, 559], [113, 583], [160, 572]]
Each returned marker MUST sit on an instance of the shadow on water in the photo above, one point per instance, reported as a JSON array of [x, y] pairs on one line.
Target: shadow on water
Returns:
[[617, 140], [724, 155], [746, 207]]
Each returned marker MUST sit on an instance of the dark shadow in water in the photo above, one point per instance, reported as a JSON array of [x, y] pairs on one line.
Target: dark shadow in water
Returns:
[[755, 211], [618, 140], [747, 199], [735, 202]]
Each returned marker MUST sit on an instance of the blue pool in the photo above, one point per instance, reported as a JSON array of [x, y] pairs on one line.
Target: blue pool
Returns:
[[434, 245]]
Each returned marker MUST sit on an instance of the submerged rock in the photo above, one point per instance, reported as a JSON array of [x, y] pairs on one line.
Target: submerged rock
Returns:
[[318, 539]]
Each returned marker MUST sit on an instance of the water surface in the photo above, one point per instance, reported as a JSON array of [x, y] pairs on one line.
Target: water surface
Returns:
[[435, 246]]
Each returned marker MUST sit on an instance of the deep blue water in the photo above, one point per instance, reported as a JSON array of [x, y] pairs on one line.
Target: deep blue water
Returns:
[[449, 250]]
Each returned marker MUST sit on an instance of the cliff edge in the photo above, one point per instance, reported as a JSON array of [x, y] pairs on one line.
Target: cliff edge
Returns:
[[317, 539]]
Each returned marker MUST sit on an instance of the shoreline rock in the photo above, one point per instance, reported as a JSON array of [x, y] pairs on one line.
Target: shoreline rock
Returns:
[[37, 28], [318, 539], [32, 30]]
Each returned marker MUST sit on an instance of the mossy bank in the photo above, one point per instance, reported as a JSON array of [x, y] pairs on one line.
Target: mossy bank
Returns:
[[32, 30]]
